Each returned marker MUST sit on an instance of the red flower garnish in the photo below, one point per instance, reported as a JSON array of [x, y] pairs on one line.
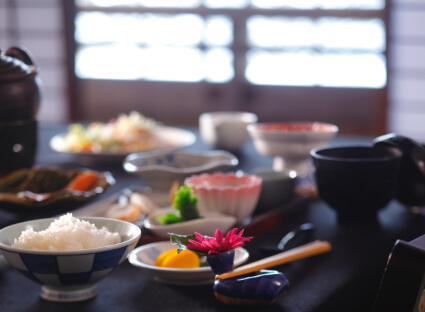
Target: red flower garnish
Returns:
[[218, 244]]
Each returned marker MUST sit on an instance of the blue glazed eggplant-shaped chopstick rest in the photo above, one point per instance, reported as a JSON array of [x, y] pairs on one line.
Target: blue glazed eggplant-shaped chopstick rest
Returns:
[[260, 288]]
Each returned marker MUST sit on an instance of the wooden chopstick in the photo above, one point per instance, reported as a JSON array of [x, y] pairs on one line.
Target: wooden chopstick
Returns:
[[304, 251]]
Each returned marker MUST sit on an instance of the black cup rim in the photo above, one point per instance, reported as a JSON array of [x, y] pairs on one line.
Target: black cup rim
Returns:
[[392, 155]]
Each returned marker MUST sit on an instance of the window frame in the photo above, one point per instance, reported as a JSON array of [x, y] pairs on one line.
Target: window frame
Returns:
[[240, 47]]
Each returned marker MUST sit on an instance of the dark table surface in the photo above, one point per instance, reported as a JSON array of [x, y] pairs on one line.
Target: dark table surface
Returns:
[[346, 279]]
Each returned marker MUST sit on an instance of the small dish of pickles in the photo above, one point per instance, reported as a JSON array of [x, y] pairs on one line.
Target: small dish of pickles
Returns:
[[147, 258]]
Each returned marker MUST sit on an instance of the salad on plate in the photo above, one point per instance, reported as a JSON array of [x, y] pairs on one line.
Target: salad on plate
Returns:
[[125, 134]]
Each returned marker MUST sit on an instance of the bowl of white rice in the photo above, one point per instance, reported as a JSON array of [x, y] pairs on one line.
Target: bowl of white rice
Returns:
[[68, 255]]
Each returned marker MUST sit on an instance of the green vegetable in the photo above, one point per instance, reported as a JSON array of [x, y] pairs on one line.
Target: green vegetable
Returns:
[[182, 240], [185, 202], [168, 218]]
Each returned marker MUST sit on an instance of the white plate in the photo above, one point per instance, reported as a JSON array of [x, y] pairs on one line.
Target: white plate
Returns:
[[174, 138], [146, 255], [209, 222]]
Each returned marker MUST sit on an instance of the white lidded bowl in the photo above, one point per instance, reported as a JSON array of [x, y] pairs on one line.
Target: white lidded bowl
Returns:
[[68, 275], [225, 129], [228, 193], [160, 169]]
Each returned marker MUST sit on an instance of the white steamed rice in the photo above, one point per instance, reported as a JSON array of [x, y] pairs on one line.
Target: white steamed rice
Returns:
[[67, 233]]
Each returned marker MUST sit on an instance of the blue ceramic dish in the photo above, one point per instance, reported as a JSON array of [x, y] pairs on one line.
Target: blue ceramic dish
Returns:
[[252, 289]]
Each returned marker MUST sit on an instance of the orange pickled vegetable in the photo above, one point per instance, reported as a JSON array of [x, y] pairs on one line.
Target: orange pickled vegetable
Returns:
[[186, 259], [83, 181]]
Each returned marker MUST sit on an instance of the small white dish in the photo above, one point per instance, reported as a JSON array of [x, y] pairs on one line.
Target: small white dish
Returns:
[[161, 168], [208, 224], [145, 256], [171, 137]]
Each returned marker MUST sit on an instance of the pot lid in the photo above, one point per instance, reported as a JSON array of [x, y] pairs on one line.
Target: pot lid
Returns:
[[411, 175], [15, 64]]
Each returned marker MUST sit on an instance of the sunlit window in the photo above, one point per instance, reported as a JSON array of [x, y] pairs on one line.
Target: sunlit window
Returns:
[[321, 4], [166, 43]]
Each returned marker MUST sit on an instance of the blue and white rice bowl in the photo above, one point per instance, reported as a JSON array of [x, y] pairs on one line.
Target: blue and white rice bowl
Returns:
[[68, 275]]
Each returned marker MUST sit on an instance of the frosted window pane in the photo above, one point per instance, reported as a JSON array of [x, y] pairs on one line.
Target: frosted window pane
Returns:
[[182, 29], [280, 68], [351, 4], [351, 33], [99, 27], [327, 32], [156, 63], [274, 4], [219, 65], [169, 3], [218, 30], [313, 69], [230, 4], [320, 4], [108, 62], [363, 70], [147, 3], [281, 32], [172, 64]]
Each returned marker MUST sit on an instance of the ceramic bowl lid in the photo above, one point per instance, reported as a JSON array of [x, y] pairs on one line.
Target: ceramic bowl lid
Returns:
[[15, 64]]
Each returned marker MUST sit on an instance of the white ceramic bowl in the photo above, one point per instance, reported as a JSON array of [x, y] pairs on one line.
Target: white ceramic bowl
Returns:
[[290, 142], [160, 169], [225, 130], [228, 193], [145, 256], [208, 224], [68, 275]]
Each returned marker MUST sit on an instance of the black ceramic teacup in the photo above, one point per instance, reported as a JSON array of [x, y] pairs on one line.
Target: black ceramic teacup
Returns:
[[356, 181]]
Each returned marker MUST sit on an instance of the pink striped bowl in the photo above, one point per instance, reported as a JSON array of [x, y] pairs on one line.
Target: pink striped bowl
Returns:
[[228, 193]]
